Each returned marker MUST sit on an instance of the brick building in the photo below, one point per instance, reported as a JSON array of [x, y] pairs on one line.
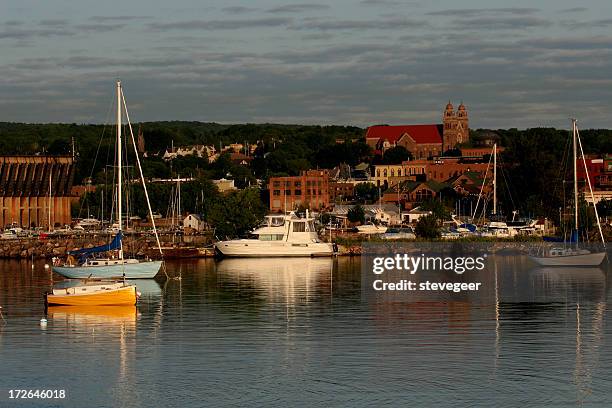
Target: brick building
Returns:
[[341, 191], [24, 190], [441, 169], [423, 141], [310, 189]]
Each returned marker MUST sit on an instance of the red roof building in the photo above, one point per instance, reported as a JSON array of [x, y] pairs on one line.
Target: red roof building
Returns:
[[423, 141]]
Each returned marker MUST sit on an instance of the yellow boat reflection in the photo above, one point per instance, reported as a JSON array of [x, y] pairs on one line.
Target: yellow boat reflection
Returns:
[[93, 314]]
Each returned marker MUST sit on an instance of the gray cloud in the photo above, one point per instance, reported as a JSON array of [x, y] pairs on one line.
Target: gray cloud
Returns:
[[53, 22], [382, 24], [13, 23], [500, 23], [380, 2], [221, 24], [237, 9], [574, 10], [106, 19], [22, 33], [299, 8], [477, 12], [99, 28]]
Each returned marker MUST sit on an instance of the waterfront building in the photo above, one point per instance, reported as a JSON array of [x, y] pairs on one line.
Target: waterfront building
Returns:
[[309, 189], [32, 187], [423, 141]]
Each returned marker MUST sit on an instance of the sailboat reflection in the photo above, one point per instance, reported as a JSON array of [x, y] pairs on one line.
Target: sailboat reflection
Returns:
[[279, 278], [570, 285]]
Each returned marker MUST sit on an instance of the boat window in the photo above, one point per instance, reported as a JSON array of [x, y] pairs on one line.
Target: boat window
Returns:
[[277, 221], [299, 226], [271, 237], [311, 226]]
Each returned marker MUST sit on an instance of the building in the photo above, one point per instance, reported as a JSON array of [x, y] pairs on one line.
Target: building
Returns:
[[310, 189], [341, 191], [440, 169], [32, 187], [224, 185], [445, 168], [423, 141], [194, 222], [600, 174], [412, 193]]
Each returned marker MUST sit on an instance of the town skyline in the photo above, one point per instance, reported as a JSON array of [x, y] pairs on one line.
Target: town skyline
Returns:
[[348, 63]]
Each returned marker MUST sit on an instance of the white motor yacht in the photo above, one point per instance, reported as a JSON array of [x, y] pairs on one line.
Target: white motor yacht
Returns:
[[279, 236]]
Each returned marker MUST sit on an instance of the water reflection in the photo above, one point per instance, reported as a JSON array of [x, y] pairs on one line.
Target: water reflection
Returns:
[[289, 280], [297, 331]]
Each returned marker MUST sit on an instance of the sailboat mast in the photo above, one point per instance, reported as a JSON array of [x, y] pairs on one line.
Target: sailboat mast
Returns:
[[495, 179], [119, 164], [49, 206], [575, 158]]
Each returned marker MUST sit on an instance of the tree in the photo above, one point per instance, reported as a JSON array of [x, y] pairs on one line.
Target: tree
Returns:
[[356, 214], [427, 227], [365, 192], [438, 210], [236, 213], [396, 155]]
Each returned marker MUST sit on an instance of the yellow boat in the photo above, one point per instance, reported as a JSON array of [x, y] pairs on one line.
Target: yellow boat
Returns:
[[99, 294]]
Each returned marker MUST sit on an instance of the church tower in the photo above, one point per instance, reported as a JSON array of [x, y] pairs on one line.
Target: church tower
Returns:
[[455, 127], [449, 133], [463, 128]]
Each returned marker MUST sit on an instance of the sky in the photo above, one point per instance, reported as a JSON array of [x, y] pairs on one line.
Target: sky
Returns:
[[348, 62]]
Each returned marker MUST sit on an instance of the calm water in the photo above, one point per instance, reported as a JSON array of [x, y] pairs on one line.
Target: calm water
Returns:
[[299, 333]]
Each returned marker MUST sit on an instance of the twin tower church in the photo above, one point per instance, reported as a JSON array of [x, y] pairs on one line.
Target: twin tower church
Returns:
[[423, 141]]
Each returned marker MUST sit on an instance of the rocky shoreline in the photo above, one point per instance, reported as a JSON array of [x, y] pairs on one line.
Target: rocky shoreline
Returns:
[[36, 248]]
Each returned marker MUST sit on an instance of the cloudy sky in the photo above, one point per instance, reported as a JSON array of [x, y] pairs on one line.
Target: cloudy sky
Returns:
[[514, 64]]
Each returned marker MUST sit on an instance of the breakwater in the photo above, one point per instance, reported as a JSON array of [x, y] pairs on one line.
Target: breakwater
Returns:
[[37, 248]]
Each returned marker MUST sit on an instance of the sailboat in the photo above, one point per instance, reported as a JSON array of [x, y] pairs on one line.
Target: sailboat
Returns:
[[94, 294], [83, 263], [568, 255]]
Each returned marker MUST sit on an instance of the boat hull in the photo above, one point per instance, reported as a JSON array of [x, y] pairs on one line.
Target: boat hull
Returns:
[[123, 296], [140, 270], [245, 248], [592, 259]]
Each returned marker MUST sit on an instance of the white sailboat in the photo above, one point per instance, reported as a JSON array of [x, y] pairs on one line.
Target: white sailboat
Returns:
[[568, 255], [88, 265]]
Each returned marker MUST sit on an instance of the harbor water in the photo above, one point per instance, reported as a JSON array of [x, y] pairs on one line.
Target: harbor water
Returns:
[[299, 332]]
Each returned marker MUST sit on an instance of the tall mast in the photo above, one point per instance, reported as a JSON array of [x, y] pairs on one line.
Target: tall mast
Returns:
[[119, 164], [50, 177], [575, 159], [495, 179]]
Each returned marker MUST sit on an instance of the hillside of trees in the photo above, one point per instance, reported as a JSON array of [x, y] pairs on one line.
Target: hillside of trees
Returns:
[[533, 165]]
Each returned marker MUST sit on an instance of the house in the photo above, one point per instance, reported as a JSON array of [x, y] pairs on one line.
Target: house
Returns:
[[194, 222], [240, 159], [413, 216], [224, 185], [413, 192], [388, 214]]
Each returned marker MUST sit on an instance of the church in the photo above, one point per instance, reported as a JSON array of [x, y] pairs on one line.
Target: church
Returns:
[[423, 141]]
